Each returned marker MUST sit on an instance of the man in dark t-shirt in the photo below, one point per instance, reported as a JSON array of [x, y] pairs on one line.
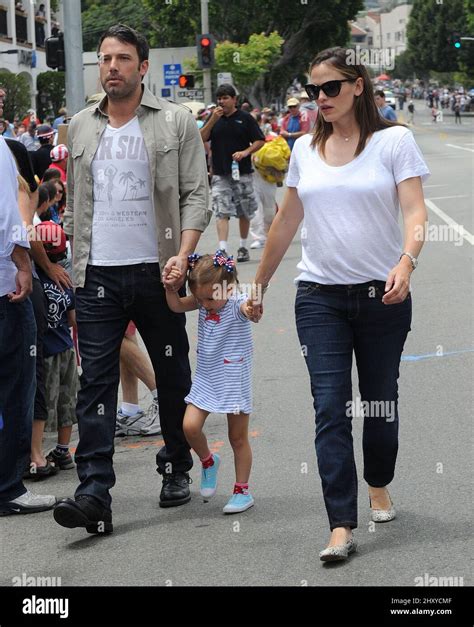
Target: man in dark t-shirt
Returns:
[[234, 136], [41, 158]]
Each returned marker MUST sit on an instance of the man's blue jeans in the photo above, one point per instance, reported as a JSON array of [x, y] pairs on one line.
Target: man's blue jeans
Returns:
[[17, 393], [110, 298], [334, 321]]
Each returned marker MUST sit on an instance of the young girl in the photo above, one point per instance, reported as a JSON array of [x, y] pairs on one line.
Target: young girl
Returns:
[[222, 382]]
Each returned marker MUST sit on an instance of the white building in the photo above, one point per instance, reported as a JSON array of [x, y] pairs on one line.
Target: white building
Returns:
[[373, 29], [22, 31]]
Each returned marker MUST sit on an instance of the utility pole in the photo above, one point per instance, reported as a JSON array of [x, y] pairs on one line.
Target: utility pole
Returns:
[[205, 29], [75, 98]]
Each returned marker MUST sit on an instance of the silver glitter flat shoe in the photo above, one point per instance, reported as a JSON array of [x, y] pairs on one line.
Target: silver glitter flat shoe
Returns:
[[339, 552], [382, 515]]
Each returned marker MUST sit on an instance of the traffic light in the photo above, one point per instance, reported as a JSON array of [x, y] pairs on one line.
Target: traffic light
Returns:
[[457, 40], [186, 81], [205, 48], [55, 52]]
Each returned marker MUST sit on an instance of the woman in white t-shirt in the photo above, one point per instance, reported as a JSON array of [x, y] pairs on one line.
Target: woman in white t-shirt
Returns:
[[347, 182]]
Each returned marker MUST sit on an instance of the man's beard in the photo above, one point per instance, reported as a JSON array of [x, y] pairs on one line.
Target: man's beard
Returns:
[[120, 92]]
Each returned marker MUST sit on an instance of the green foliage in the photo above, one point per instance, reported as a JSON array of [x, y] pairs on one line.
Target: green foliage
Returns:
[[97, 16], [51, 87], [429, 28], [18, 99], [247, 62], [306, 28], [403, 66]]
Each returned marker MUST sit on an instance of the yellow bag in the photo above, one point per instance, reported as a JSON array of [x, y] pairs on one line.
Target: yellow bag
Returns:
[[272, 160]]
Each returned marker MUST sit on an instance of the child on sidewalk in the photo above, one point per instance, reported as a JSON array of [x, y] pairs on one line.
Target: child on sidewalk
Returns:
[[61, 378], [222, 382]]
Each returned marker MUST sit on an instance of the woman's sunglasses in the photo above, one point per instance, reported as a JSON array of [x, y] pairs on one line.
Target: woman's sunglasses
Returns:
[[330, 88]]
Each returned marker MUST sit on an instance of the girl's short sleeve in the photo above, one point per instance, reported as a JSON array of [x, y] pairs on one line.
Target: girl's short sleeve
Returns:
[[293, 177], [236, 302], [408, 160]]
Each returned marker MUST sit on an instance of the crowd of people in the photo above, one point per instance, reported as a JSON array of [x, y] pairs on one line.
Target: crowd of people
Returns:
[[136, 171]]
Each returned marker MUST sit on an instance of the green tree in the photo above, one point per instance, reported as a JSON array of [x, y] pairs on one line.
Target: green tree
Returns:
[[428, 31], [247, 62], [51, 87], [306, 28], [97, 16], [18, 99]]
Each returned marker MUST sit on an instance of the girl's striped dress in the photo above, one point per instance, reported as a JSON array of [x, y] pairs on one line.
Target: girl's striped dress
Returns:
[[222, 382]]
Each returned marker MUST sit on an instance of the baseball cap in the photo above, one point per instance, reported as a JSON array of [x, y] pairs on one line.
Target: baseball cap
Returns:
[[292, 102], [44, 130], [304, 95], [59, 152], [52, 237], [212, 105]]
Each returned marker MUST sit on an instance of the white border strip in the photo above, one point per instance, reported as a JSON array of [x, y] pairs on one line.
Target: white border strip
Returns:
[[454, 225]]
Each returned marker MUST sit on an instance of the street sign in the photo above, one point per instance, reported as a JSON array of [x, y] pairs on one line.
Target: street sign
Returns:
[[191, 93], [166, 93], [224, 77], [172, 73]]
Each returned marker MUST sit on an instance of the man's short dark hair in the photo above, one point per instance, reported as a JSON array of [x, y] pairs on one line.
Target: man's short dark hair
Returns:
[[127, 35], [51, 174], [43, 195], [51, 189], [380, 93], [226, 90]]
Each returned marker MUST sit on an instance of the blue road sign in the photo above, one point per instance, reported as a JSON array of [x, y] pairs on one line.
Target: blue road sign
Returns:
[[172, 73], [166, 93]]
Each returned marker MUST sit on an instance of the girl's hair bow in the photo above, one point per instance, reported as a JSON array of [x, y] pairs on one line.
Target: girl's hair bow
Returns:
[[220, 259], [192, 260]]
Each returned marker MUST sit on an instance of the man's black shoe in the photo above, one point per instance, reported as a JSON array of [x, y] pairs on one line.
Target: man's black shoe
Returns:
[[175, 490], [243, 255], [85, 511]]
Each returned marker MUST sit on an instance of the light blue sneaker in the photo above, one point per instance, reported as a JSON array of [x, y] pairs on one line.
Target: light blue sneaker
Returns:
[[238, 503], [209, 478]]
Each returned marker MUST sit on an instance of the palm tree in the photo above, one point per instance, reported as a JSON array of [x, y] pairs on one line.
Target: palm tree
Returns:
[[134, 189], [99, 188], [126, 177]]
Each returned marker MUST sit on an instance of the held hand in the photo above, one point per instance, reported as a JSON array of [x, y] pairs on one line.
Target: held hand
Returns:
[[284, 134], [24, 286], [171, 280], [238, 156], [398, 284], [175, 265]]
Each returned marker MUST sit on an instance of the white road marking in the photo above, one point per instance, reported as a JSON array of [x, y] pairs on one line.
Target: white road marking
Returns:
[[454, 225], [460, 147], [445, 197], [440, 185]]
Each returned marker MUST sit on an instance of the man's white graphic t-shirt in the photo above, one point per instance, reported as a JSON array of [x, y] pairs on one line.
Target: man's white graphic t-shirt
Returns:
[[124, 225]]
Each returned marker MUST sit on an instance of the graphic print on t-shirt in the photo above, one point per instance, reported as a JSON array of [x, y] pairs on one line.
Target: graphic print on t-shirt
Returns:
[[124, 225]]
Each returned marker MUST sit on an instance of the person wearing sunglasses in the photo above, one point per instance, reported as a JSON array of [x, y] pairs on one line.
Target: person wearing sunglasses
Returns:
[[294, 124], [347, 181]]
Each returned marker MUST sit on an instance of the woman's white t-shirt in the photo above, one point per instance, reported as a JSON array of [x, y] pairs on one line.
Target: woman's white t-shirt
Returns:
[[350, 232]]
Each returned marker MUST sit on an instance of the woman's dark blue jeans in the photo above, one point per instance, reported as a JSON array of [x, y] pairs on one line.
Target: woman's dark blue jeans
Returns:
[[334, 321]]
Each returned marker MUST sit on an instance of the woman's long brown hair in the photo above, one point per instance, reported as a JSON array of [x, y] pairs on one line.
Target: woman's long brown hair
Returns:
[[366, 111]]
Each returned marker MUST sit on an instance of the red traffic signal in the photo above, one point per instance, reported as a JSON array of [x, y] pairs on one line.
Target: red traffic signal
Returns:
[[205, 50], [186, 81]]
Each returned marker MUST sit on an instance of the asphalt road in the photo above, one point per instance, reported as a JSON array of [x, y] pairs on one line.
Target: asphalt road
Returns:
[[277, 542]]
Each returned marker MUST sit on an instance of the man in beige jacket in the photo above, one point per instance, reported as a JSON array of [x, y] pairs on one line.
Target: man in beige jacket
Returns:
[[137, 204]]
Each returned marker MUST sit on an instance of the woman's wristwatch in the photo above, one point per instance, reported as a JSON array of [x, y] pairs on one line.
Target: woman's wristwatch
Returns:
[[414, 260]]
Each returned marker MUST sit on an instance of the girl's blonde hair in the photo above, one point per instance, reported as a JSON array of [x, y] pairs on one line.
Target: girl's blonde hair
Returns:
[[23, 185]]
